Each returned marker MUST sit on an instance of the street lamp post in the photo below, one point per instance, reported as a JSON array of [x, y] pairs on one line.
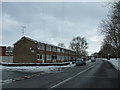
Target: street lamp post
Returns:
[[108, 58]]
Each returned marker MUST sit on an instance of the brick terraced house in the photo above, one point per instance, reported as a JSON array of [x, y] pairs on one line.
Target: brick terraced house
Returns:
[[2, 50], [27, 50], [6, 54]]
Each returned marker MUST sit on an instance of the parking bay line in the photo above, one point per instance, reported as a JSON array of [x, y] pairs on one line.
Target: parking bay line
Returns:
[[71, 77]]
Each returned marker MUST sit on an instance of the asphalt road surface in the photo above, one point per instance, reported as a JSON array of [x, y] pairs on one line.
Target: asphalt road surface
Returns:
[[99, 74], [14, 74]]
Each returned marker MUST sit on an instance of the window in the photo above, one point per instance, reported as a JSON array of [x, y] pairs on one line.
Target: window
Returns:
[[9, 50], [62, 50], [40, 57], [62, 57], [54, 57], [41, 46], [58, 58], [69, 58], [73, 52], [54, 49], [48, 57], [58, 49], [74, 58], [66, 52], [70, 52], [48, 48], [66, 57]]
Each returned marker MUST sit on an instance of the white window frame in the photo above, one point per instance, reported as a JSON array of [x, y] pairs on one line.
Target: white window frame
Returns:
[[66, 58], [48, 48], [62, 57], [63, 50], [48, 56], [41, 46], [69, 57], [66, 52], [39, 56], [54, 49], [54, 57], [58, 57], [58, 49], [9, 52]]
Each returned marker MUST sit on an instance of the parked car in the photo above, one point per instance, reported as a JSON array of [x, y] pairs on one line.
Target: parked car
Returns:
[[93, 59], [80, 62]]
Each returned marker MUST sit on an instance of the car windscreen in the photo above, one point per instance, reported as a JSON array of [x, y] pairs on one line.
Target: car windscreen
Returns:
[[78, 61]]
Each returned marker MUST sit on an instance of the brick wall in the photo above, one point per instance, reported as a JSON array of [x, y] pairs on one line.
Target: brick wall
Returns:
[[25, 52], [2, 51]]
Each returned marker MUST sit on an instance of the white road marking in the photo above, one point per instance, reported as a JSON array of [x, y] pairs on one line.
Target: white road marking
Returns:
[[71, 77], [6, 81]]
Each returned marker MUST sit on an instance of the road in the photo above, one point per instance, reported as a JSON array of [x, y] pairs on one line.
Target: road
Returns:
[[99, 74], [14, 74]]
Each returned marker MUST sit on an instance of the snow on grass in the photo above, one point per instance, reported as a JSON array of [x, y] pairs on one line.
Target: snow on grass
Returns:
[[35, 68], [32, 63], [114, 62]]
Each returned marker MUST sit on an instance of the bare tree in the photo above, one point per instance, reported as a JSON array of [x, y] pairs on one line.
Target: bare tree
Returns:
[[61, 45], [79, 45], [111, 28]]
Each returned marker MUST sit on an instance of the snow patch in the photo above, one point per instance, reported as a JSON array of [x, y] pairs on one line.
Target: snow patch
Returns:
[[114, 62], [35, 68]]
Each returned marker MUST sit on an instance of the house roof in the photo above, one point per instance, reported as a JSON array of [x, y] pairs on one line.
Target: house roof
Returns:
[[2, 46], [35, 41], [24, 37]]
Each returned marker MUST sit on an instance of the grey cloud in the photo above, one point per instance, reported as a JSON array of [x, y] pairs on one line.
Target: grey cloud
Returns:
[[51, 22], [70, 11]]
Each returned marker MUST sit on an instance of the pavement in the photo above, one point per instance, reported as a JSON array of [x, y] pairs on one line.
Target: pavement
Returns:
[[115, 62], [99, 74]]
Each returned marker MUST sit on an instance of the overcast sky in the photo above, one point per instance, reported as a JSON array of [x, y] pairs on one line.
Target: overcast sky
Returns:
[[52, 22]]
